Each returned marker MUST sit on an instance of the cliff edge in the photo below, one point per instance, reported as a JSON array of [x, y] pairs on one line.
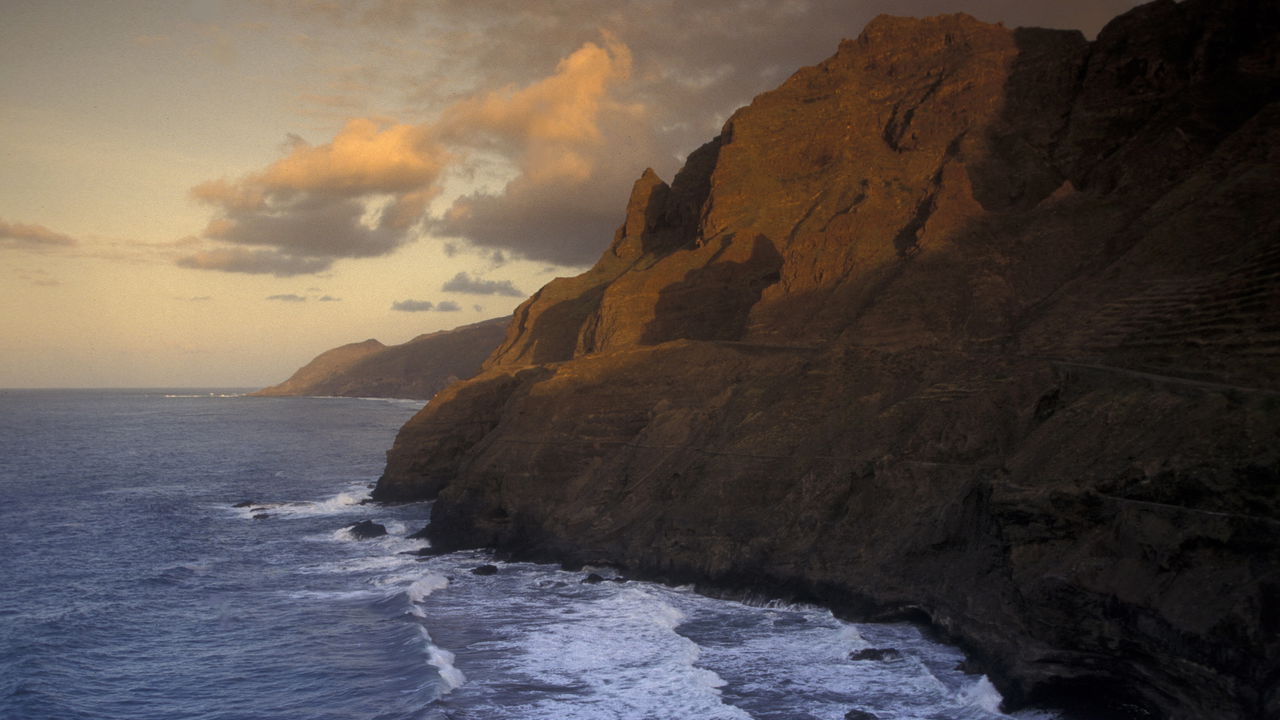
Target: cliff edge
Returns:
[[969, 324]]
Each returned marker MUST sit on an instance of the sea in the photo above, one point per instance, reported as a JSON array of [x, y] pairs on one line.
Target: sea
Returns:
[[136, 584]]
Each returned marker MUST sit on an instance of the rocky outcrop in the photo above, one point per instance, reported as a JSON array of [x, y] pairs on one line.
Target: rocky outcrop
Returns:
[[366, 530], [416, 369], [967, 324]]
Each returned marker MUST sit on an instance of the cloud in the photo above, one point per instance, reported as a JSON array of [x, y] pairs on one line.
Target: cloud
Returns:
[[464, 283], [425, 306], [576, 145], [560, 137], [28, 236], [328, 298], [356, 196], [551, 126], [253, 262], [287, 297], [413, 305], [568, 99]]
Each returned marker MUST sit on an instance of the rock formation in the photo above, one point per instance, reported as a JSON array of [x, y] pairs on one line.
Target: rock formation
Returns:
[[974, 325], [416, 369]]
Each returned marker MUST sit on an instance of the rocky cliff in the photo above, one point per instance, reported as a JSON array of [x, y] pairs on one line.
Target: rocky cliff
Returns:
[[975, 325], [416, 369]]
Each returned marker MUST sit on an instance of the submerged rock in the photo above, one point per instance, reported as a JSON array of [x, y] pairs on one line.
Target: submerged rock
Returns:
[[877, 654], [485, 570]]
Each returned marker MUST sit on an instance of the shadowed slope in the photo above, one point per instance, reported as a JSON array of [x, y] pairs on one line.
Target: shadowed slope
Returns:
[[967, 323]]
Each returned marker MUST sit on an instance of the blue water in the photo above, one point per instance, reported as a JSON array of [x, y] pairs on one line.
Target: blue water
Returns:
[[130, 587]]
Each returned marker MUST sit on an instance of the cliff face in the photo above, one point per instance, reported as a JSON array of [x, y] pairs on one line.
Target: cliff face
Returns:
[[969, 323], [415, 369]]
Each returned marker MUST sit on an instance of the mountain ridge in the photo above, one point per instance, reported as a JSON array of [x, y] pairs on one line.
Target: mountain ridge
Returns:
[[982, 332], [416, 369]]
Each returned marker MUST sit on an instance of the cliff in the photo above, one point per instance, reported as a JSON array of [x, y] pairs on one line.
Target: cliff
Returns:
[[416, 369], [969, 324]]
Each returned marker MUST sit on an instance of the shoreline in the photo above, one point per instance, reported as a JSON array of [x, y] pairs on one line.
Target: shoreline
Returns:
[[1120, 703]]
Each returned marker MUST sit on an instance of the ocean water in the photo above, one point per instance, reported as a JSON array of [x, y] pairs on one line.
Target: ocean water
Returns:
[[130, 587]]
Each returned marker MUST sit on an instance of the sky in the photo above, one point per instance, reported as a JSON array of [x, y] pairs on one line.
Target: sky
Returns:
[[209, 193]]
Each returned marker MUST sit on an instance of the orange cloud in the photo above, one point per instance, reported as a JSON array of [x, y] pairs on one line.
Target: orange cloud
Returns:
[[366, 156], [312, 205], [553, 125]]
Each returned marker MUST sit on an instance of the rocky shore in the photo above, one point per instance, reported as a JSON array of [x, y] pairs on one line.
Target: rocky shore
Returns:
[[975, 325]]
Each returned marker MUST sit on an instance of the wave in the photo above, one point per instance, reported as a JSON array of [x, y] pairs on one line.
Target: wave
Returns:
[[423, 587], [442, 660], [981, 695]]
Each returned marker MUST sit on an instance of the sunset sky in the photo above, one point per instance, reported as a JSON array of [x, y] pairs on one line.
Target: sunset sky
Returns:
[[208, 194]]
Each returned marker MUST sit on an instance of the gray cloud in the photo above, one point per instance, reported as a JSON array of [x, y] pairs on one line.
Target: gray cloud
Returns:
[[357, 196], [464, 283], [287, 297], [425, 306], [542, 221], [329, 298], [413, 305], [25, 235], [254, 262]]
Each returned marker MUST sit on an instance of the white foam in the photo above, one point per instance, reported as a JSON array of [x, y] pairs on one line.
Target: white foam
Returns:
[[336, 504], [343, 502], [981, 695], [442, 661], [618, 655], [423, 587]]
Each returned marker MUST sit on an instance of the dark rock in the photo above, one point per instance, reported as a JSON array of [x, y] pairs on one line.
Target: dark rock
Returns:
[[422, 552], [366, 529], [485, 570], [876, 654], [244, 504], [860, 715], [261, 516], [419, 535], [592, 579], [966, 321]]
